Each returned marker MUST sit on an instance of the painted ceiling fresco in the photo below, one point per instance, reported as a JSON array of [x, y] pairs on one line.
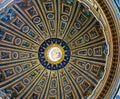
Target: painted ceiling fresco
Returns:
[[50, 49]]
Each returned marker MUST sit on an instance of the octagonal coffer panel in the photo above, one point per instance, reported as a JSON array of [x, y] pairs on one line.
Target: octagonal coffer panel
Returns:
[[50, 49]]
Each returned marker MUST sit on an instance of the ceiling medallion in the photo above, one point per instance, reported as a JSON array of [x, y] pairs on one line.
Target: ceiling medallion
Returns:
[[54, 54]]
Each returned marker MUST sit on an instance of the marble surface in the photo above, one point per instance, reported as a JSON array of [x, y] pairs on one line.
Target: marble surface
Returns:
[[4, 3]]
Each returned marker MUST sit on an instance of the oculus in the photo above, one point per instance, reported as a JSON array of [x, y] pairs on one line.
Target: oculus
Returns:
[[54, 54]]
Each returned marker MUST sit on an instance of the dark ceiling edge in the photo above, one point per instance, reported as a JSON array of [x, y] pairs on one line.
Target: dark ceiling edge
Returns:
[[115, 59]]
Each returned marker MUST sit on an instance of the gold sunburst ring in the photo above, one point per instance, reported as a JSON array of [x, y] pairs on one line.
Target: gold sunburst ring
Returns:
[[54, 54]]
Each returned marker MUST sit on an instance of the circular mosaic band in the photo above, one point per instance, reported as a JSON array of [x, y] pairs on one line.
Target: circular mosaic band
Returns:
[[54, 54]]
